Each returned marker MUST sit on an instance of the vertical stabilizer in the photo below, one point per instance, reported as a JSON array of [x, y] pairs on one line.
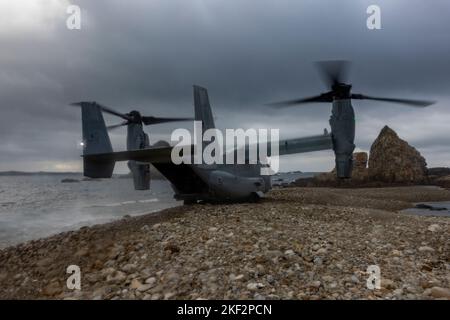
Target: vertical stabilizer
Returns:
[[202, 108], [96, 141]]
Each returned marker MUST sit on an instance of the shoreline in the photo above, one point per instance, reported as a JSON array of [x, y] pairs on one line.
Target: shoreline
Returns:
[[299, 243]]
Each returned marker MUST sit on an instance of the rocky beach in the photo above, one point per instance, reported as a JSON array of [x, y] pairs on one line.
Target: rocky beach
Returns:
[[298, 243]]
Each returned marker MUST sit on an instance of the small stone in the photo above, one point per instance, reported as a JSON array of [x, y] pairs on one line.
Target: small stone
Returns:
[[52, 289], [116, 277], [254, 286], [289, 253], [434, 228], [398, 292], [236, 278], [172, 248], [150, 280], [318, 261], [327, 278], [129, 267], [135, 284], [387, 283], [169, 295], [82, 252], [321, 251], [213, 229], [426, 249], [438, 292], [144, 287]]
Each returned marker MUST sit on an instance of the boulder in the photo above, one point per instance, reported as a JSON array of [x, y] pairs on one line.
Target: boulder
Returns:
[[393, 160], [360, 171]]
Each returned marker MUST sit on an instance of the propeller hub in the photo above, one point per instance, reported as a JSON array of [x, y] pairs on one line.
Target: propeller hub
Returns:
[[135, 116], [341, 91]]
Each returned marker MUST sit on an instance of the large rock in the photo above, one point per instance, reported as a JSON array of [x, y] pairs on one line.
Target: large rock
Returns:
[[394, 160], [359, 172]]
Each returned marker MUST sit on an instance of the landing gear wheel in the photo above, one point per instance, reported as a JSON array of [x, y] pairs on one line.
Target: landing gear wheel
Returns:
[[254, 198]]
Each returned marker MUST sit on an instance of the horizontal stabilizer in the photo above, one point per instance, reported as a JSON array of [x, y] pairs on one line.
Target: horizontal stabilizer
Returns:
[[151, 155]]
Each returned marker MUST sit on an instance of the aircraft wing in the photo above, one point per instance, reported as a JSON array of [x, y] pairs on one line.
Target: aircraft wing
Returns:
[[163, 154], [306, 144], [298, 145]]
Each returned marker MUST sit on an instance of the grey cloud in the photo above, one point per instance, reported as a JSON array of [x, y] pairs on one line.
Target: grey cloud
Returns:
[[147, 54]]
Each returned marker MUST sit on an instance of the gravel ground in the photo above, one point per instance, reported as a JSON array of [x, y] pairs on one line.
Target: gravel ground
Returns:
[[299, 243]]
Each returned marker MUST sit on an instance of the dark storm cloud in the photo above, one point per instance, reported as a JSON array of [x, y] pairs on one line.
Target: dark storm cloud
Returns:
[[147, 54]]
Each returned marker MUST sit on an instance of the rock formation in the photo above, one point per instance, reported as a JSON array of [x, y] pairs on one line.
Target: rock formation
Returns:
[[393, 160]]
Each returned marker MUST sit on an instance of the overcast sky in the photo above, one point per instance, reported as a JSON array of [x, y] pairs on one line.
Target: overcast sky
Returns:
[[146, 55]]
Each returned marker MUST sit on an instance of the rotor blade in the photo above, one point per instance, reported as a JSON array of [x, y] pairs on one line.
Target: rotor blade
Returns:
[[104, 109], [115, 126], [324, 97], [409, 102], [155, 120], [333, 72]]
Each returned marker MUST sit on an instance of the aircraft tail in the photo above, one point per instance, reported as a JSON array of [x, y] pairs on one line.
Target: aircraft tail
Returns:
[[202, 108], [95, 141]]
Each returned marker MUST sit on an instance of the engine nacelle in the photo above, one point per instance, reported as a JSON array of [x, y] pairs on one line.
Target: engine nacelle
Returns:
[[342, 124]]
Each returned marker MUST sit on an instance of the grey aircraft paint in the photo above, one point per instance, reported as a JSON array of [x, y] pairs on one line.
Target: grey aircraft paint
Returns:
[[194, 182]]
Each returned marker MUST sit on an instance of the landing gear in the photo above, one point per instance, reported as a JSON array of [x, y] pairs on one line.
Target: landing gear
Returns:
[[254, 197], [189, 201]]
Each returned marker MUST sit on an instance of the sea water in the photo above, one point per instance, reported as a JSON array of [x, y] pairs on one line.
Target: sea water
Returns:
[[35, 206]]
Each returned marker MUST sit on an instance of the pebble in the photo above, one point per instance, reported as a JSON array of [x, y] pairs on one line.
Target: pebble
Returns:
[[438, 292], [426, 249], [254, 286], [130, 267], [299, 248], [434, 228], [150, 280]]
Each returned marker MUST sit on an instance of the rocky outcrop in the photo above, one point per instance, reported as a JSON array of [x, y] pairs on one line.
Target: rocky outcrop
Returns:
[[359, 172], [393, 160]]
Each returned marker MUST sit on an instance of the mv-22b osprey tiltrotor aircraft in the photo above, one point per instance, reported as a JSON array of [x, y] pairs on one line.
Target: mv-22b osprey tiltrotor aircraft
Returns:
[[221, 182], [190, 182]]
